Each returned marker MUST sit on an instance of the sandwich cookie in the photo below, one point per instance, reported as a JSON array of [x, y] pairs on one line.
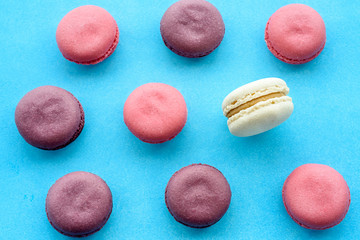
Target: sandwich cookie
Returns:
[[198, 195], [79, 204], [155, 112], [87, 35], [316, 196], [192, 28], [49, 117], [295, 34], [257, 107]]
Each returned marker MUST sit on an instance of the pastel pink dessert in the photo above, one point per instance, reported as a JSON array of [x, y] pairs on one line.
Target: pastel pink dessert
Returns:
[[87, 35], [155, 112], [198, 195], [295, 34], [192, 28], [316, 196]]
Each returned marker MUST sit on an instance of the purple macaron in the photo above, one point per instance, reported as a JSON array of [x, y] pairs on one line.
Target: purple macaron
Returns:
[[79, 204], [198, 195], [49, 117], [192, 28]]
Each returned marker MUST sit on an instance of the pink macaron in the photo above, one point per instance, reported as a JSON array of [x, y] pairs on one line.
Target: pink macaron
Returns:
[[155, 112], [316, 196], [295, 34], [87, 35]]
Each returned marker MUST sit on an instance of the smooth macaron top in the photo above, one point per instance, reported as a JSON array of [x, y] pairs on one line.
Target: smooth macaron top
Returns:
[[198, 195], [257, 107], [79, 204], [87, 35], [316, 196], [295, 33], [155, 112], [49, 117], [192, 28]]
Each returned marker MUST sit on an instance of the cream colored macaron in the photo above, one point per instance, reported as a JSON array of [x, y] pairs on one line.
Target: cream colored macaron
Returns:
[[257, 107]]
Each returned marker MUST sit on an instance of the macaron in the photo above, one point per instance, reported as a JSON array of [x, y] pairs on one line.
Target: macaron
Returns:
[[198, 195], [79, 204], [295, 34], [316, 196], [87, 35], [49, 117], [192, 28], [155, 112], [257, 107]]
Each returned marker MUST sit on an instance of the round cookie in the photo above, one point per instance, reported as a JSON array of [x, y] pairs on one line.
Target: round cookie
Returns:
[[295, 34], [198, 195], [257, 107], [79, 204], [49, 117], [87, 35], [316, 196], [192, 28], [155, 112]]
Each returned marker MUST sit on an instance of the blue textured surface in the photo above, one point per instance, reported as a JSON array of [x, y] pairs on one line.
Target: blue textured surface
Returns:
[[324, 127]]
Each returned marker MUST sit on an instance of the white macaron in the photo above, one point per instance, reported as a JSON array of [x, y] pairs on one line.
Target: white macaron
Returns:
[[257, 107]]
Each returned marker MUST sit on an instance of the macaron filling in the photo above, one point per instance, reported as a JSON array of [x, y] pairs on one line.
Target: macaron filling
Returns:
[[252, 102]]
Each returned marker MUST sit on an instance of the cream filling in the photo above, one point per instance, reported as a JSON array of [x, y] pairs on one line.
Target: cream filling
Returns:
[[258, 106], [250, 96], [251, 103]]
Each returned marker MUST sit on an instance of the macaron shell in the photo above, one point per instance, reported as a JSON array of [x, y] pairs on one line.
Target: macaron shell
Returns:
[[251, 89], [155, 112], [79, 204], [316, 196], [192, 28], [295, 33], [49, 117], [87, 35], [261, 117], [198, 195]]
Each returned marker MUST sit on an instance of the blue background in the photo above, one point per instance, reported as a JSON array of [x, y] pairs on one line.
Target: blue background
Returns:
[[324, 127]]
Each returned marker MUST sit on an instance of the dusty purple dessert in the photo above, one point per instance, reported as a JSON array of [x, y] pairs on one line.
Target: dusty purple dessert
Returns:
[[49, 117], [192, 28], [198, 195], [79, 204]]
